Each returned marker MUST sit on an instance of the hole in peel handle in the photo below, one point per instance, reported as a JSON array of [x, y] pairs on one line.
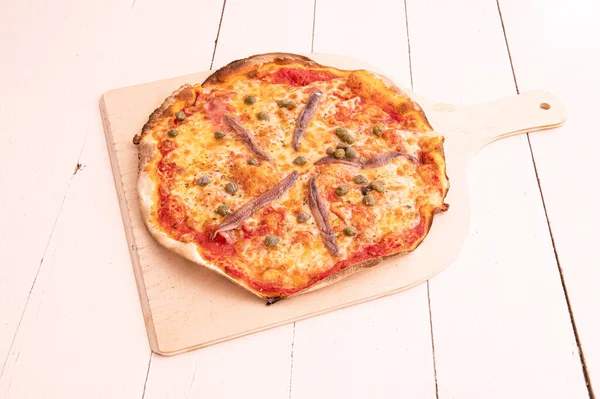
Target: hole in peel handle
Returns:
[[527, 112]]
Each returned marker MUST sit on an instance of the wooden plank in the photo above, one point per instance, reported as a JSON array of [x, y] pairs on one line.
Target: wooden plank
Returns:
[[37, 79], [500, 322], [264, 26], [556, 47], [82, 333], [233, 369], [375, 350], [363, 350]]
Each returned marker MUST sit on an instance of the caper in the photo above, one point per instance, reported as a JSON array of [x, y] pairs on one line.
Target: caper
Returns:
[[348, 138], [250, 100], [360, 179], [232, 188], [330, 151], [303, 217], [300, 160], [350, 231], [203, 181], [365, 189], [219, 135], [173, 132], [378, 186], [340, 131], [271, 241], [341, 190], [368, 200], [253, 162], [180, 115], [262, 116], [286, 104], [223, 210], [342, 145], [351, 153], [378, 130], [339, 153]]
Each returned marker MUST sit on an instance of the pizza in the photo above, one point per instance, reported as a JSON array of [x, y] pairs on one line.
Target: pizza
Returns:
[[285, 176]]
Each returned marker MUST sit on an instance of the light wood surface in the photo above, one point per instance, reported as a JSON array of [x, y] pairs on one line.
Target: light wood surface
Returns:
[[188, 307], [71, 323]]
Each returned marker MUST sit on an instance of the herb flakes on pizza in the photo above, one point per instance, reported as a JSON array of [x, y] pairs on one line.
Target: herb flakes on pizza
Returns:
[[285, 176]]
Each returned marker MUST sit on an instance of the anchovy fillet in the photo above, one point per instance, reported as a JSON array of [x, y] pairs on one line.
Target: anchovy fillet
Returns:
[[238, 217], [246, 138], [384, 158], [329, 160], [305, 117], [317, 208]]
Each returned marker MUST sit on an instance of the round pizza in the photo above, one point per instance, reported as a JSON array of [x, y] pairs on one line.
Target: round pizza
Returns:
[[285, 175]]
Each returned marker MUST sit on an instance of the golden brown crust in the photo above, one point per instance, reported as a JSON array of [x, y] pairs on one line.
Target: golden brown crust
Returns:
[[186, 96], [183, 96], [248, 64]]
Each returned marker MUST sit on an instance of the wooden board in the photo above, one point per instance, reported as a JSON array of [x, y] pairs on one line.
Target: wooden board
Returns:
[[187, 307]]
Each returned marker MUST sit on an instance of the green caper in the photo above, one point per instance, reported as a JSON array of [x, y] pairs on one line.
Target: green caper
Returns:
[[173, 132], [303, 217], [342, 145], [341, 190], [223, 210], [339, 153], [250, 100], [180, 115], [368, 200], [219, 135], [340, 131], [253, 162], [351, 153], [330, 151], [378, 186], [300, 160], [271, 241], [262, 116], [378, 130], [286, 104], [360, 179], [203, 181], [350, 231], [348, 138], [232, 188]]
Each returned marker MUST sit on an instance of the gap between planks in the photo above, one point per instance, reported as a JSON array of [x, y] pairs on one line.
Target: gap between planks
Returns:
[[427, 282], [212, 60], [147, 374], [584, 369], [62, 203], [292, 359]]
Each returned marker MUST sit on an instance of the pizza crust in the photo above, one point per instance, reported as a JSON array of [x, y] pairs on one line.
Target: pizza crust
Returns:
[[247, 64], [149, 153]]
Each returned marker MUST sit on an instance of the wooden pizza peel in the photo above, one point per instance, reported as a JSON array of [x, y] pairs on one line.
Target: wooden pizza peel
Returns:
[[187, 306]]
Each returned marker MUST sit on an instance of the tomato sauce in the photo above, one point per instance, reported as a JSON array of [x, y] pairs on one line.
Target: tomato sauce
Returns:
[[217, 248], [299, 76]]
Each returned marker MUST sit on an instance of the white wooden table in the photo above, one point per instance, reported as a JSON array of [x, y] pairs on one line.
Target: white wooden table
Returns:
[[516, 316]]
